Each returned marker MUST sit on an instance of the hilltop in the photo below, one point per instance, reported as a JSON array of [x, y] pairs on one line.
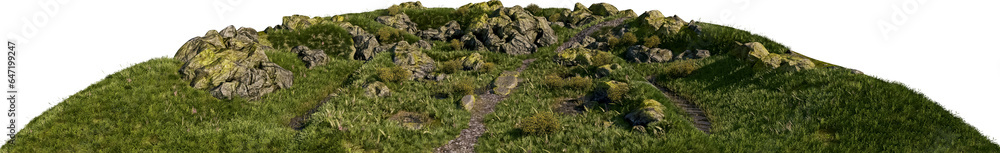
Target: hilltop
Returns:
[[486, 77]]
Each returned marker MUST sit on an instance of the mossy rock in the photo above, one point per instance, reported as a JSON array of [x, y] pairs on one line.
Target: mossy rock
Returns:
[[377, 89], [612, 91], [603, 9], [482, 6], [606, 70], [506, 82], [577, 56], [468, 102], [650, 112], [472, 62], [229, 64], [411, 5], [410, 58]]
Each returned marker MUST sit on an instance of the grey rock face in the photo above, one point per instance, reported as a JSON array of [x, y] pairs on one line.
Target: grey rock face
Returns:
[[312, 57]]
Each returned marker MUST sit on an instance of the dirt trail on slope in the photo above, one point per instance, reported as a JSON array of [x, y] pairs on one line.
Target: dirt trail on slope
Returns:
[[466, 140], [698, 116], [586, 32]]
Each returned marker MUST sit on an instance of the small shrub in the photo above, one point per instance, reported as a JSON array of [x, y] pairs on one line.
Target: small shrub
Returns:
[[456, 44], [577, 82], [487, 67], [629, 39], [393, 74], [602, 58], [394, 9], [540, 123], [462, 11], [681, 69], [652, 41], [463, 87], [614, 42], [451, 66], [388, 34], [533, 8], [553, 81], [555, 17]]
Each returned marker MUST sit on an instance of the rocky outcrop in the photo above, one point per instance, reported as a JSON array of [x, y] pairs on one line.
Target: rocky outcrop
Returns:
[[377, 89], [365, 44], [451, 30], [411, 5], [643, 54], [312, 57], [656, 22], [399, 21], [695, 54], [229, 64], [756, 54], [296, 22], [423, 44], [509, 30], [410, 58], [651, 111]]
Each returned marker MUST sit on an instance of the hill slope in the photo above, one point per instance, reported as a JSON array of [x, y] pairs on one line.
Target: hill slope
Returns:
[[603, 93]]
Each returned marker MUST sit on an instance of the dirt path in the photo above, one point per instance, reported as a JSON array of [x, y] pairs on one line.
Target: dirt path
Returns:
[[467, 139], [586, 32], [698, 116]]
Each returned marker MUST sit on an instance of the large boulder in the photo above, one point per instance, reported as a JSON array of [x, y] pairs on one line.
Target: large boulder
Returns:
[[603, 9], [411, 5], [470, 42], [365, 44], [296, 22], [399, 21], [643, 54], [580, 7], [229, 64], [506, 82], [312, 57], [752, 51], [482, 6], [654, 21], [377, 89], [651, 111], [410, 58], [693, 54]]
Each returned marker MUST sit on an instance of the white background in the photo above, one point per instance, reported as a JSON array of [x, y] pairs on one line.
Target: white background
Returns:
[[944, 49]]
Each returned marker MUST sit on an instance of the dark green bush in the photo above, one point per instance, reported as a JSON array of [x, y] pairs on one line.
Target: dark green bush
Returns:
[[540, 123], [533, 8]]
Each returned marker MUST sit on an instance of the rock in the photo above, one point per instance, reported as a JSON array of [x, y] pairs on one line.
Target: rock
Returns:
[[365, 44], [296, 22], [628, 13], [795, 63], [411, 120], [451, 30], [655, 21], [643, 54], [510, 30], [483, 6], [468, 102], [411, 5], [575, 56], [603, 9], [312, 57], [599, 46], [399, 21], [606, 70], [752, 51], [694, 27], [506, 82], [410, 58], [472, 62], [471, 43], [696, 54], [561, 24], [229, 64], [580, 7], [651, 111], [377, 89], [423, 44], [440, 77], [610, 91]]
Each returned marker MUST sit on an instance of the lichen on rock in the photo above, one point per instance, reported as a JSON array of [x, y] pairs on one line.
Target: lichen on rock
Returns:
[[229, 64], [410, 58], [651, 111]]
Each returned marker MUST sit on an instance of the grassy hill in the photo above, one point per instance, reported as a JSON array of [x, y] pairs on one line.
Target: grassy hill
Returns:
[[150, 107]]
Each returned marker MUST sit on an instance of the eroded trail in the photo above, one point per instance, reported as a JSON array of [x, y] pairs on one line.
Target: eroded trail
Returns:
[[698, 116], [466, 140], [586, 32]]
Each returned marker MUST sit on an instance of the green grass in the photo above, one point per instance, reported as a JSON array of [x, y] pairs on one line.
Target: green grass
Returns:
[[818, 110]]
